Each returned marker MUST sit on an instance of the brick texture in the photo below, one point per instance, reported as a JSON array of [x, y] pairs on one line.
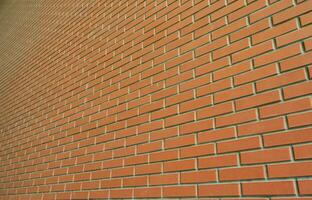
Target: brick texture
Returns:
[[155, 99]]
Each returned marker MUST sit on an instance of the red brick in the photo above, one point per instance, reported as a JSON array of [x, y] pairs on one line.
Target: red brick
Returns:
[[274, 8], [180, 165], [147, 192], [228, 50], [164, 155], [212, 66], [204, 80], [199, 176], [134, 160], [121, 193], [195, 43], [229, 28], [188, 152], [169, 111], [219, 190], [165, 133], [123, 152], [150, 147], [242, 173], [179, 60], [296, 62], [215, 135], [308, 44], [290, 170], [285, 108], [218, 161], [148, 169], [301, 119], [100, 174], [111, 183], [254, 28], [300, 34], [180, 141], [274, 32], [179, 119], [215, 110], [252, 52], [211, 46], [185, 96], [214, 87], [291, 12], [179, 191], [165, 179], [198, 61], [303, 151], [120, 172], [297, 90], [239, 144], [196, 126], [237, 118], [137, 139], [209, 9], [281, 80], [156, 99], [305, 19], [232, 70], [258, 100], [290, 137], [286, 52], [234, 93], [211, 26], [272, 188], [228, 9], [256, 74], [266, 156], [261, 127], [135, 181], [195, 104], [305, 187]]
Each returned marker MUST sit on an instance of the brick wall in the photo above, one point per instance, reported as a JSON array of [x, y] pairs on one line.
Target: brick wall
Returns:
[[165, 99]]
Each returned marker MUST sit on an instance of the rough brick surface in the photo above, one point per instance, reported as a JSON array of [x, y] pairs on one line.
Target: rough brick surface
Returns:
[[108, 99]]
